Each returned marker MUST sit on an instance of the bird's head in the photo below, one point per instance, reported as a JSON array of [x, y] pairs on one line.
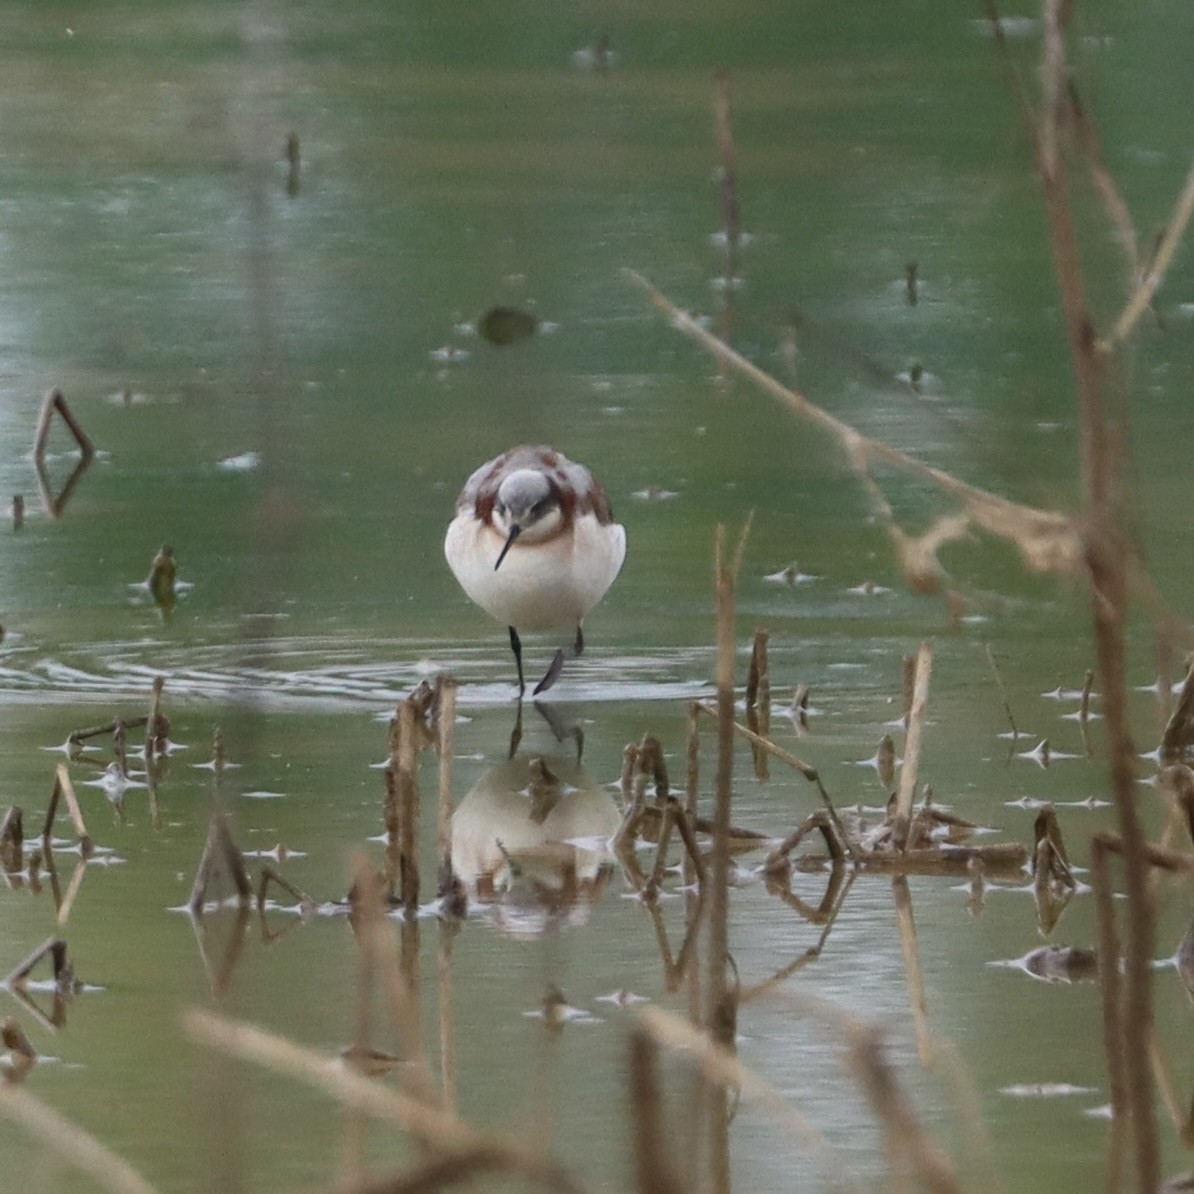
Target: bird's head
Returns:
[[527, 508]]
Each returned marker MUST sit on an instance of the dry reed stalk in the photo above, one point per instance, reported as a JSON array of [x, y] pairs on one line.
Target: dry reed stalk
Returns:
[[220, 846], [67, 1140], [1106, 552], [719, 1065], [902, 817], [1178, 734], [408, 806], [809, 772], [1167, 1086], [655, 1174], [440, 1173], [758, 699], [270, 874], [157, 727], [1047, 541], [692, 755], [692, 779], [725, 578], [446, 723], [1151, 281], [723, 119], [67, 902], [913, 972], [661, 849], [54, 402], [777, 857], [12, 831], [907, 1141], [432, 1126], [55, 948], [1007, 706], [1005, 859], [108, 727], [65, 790]]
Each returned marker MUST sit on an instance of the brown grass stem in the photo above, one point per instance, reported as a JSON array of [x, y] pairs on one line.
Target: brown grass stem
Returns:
[[902, 818], [721, 1066], [907, 1141], [408, 805], [433, 1126], [1047, 540], [809, 772], [68, 1140], [725, 580], [1154, 275], [55, 402]]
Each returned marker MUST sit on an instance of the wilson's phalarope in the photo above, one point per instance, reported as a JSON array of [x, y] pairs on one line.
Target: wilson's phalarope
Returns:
[[535, 545]]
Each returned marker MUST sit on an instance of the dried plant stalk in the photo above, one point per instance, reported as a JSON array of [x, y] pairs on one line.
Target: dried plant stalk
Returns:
[[432, 1126], [721, 1066], [70, 1141], [902, 818]]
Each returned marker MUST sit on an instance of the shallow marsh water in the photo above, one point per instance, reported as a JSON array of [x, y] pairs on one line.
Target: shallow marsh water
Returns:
[[453, 158]]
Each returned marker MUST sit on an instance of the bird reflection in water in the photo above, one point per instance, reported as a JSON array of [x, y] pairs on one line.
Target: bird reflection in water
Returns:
[[532, 839]]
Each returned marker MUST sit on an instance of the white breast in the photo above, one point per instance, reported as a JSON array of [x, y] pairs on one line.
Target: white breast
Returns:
[[540, 586]]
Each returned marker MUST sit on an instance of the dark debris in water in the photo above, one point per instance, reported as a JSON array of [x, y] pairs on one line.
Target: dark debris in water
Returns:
[[506, 325]]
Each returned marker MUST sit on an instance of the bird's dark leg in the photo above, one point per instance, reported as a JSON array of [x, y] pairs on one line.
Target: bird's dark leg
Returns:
[[516, 647], [557, 664], [552, 674]]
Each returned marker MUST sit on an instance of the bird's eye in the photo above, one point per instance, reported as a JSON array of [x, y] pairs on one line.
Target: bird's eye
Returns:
[[499, 507]]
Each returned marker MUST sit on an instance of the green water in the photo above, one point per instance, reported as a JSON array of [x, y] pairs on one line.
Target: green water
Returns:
[[454, 157]]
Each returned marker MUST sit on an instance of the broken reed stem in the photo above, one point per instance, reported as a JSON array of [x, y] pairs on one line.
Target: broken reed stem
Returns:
[[1155, 274], [220, 845], [725, 578], [912, 747], [408, 806], [54, 401], [1047, 540], [59, 1135], [65, 790], [108, 727], [430, 1125], [60, 960], [809, 772], [721, 1066]]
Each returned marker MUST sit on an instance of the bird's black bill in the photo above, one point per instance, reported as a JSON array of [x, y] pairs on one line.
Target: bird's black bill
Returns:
[[515, 531]]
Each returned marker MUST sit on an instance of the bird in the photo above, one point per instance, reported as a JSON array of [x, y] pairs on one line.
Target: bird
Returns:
[[535, 545]]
